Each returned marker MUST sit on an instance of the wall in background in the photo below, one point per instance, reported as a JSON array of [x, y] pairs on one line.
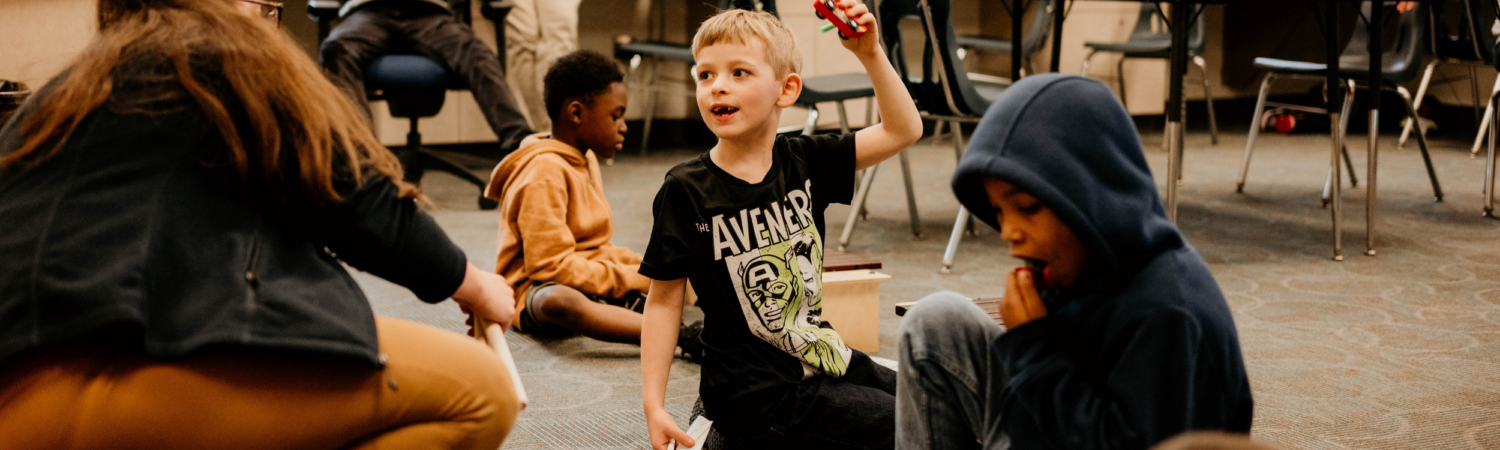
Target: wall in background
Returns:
[[39, 37]]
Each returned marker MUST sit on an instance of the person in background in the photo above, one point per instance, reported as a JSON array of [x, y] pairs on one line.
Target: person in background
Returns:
[[176, 213], [374, 28], [556, 225], [537, 33], [1115, 335]]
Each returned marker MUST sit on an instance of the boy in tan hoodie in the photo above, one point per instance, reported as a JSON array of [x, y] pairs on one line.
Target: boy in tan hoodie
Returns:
[[554, 239]]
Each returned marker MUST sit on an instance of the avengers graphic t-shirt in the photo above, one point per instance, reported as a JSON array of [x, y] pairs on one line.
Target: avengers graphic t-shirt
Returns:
[[754, 255]]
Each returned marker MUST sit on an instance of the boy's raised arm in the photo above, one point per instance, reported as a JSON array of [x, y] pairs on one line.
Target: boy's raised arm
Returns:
[[658, 341], [900, 123]]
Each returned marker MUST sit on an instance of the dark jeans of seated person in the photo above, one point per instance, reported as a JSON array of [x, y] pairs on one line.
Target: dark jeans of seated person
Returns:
[[439, 389], [855, 411], [385, 28]]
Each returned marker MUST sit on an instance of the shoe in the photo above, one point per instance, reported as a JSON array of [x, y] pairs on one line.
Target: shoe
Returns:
[[634, 301], [689, 340]]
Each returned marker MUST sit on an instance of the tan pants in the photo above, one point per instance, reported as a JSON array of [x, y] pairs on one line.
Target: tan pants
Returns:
[[439, 390], [537, 32]]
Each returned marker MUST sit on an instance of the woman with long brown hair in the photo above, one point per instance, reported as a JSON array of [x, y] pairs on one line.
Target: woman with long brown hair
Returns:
[[175, 207]]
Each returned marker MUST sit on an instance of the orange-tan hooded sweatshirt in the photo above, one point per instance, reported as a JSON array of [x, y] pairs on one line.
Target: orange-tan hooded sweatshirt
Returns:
[[556, 224]]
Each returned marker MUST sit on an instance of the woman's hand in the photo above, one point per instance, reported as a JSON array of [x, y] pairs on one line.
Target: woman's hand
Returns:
[[487, 296], [664, 429], [1022, 302]]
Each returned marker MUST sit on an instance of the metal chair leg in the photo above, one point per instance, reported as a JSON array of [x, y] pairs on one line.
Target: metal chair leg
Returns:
[[1489, 112], [1208, 96], [1489, 168], [1120, 70], [1407, 123], [911, 196], [1343, 130], [953, 239], [1337, 195], [1085, 72], [958, 151], [1437, 189], [964, 222], [869, 112], [812, 121], [844, 128], [860, 196], [650, 112], [1260, 106]]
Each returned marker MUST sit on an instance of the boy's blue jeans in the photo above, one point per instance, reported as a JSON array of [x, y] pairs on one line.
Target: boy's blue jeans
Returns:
[[950, 385]]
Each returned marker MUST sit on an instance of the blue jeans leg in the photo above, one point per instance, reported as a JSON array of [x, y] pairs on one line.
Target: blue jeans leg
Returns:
[[949, 387]]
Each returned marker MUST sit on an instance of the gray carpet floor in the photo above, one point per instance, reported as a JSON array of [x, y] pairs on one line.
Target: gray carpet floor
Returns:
[[1395, 351]]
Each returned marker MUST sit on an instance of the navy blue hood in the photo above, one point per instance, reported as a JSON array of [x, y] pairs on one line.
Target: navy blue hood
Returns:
[[1065, 140]]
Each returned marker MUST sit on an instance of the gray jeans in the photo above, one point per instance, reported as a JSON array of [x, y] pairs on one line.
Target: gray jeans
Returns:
[[950, 385]]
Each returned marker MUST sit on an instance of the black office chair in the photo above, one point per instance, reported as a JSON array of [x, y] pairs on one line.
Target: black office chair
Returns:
[[943, 90], [414, 87], [1031, 42], [1402, 63], [1146, 43], [657, 52]]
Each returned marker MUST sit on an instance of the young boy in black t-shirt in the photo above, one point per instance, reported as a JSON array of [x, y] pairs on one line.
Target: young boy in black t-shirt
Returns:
[[744, 222]]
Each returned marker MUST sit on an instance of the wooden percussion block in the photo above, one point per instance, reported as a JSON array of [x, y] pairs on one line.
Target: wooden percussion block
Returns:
[[851, 302], [990, 306]]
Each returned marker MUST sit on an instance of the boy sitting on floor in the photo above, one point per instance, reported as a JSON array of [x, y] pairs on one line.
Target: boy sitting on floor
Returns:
[[744, 222], [554, 238], [1118, 336]]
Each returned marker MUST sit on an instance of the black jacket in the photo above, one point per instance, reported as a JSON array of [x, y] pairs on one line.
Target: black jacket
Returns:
[[1143, 347], [137, 221]]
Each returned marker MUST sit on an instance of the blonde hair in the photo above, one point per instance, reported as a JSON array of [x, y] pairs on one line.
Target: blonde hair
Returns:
[[737, 26]]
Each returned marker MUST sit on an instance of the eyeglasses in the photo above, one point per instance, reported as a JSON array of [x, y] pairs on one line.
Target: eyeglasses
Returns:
[[268, 10]]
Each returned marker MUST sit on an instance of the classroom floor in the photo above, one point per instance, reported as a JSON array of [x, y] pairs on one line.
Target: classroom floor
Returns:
[[1395, 351]]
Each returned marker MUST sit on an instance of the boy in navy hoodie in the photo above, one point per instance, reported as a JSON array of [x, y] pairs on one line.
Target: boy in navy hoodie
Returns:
[[1118, 336]]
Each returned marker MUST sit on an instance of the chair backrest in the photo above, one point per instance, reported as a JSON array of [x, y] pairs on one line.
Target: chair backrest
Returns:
[[1143, 32], [1403, 61], [1475, 31], [752, 5], [1041, 26], [943, 87]]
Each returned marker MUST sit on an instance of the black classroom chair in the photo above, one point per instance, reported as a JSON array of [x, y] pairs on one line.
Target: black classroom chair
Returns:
[[1402, 63]]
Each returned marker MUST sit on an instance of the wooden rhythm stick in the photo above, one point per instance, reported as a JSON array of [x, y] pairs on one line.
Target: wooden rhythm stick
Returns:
[[493, 336]]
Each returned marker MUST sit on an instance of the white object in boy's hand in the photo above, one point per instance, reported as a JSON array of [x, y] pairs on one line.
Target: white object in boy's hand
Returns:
[[698, 431]]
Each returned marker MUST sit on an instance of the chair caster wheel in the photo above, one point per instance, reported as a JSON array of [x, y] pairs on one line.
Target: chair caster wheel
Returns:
[[1239, 189], [1487, 213], [1437, 199], [486, 203]]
